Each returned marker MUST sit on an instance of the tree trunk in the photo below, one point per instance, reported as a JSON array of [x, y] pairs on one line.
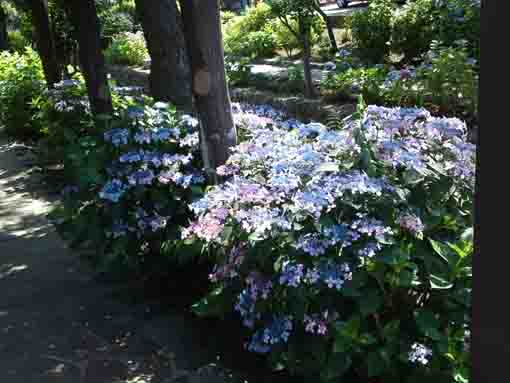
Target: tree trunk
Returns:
[[44, 41], [304, 31], [83, 16], [329, 26], [205, 46], [4, 39], [170, 76]]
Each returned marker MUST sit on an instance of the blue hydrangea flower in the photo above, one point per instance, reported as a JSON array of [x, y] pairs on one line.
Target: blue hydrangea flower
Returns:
[[292, 274], [117, 136], [141, 177], [113, 190]]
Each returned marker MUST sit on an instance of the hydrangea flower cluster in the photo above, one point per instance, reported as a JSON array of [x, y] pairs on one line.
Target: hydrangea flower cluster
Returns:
[[302, 193], [419, 354], [154, 165]]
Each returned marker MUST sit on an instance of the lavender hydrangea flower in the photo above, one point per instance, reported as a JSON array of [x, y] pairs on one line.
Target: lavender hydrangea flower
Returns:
[[278, 331], [312, 244], [292, 274], [143, 137], [411, 223], [141, 177]]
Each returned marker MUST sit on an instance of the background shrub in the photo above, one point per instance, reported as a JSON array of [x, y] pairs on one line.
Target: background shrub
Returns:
[[248, 35], [21, 82], [127, 49], [460, 20], [371, 30], [413, 28], [18, 42]]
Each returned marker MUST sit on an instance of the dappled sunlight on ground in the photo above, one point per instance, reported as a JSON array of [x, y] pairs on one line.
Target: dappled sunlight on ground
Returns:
[[20, 215]]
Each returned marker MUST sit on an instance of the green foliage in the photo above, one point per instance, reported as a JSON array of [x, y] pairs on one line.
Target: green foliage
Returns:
[[21, 81], [64, 116], [460, 20], [17, 41], [449, 80], [248, 35], [413, 28], [288, 41], [371, 30], [446, 82], [420, 22], [116, 18], [127, 49], [364, 81], [237, 70], [123, 225], [227, 16]]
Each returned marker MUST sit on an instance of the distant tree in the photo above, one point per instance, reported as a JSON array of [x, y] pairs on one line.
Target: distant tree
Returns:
[[45, 41], [303, 12], [170, 75], [4, 40], [83, 16]]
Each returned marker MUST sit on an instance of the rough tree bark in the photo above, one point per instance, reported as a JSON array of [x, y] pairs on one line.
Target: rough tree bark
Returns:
[[45, 42], [170, 75], [202, 28], [304, 32], [83, 16], [4, 40]]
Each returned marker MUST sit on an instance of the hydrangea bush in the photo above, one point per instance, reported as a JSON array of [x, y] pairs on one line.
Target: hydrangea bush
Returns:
[[346, 252], [134, 182]]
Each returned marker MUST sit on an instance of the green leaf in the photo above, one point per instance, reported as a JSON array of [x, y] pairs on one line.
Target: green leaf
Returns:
[[438, 283], [213, 304], [342, 345], [376, 364], [338, 364], [428, 324], [467, 235], [440, 249], [391, 330], [370, 302]]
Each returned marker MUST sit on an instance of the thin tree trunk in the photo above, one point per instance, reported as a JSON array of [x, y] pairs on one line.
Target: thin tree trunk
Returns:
[[329, 26], [205, 46], [83, 16], [170, 75], [4, 38], [304, 30], [44, 41]]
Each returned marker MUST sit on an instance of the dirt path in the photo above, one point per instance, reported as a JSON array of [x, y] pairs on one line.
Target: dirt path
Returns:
[[58, 324]]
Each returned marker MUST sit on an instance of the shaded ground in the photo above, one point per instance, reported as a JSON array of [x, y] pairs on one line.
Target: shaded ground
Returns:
[[59, 324]]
